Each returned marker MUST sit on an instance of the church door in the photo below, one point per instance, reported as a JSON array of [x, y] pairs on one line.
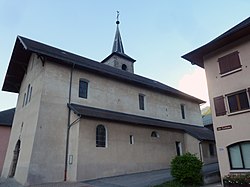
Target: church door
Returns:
[[15, 159]]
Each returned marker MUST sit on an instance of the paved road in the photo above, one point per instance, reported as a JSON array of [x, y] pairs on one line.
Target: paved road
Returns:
[[9, 183], [144, 179], [134, 180], [210, 168]]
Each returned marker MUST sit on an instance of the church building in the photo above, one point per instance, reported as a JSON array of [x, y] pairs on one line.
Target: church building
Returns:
[[78, 119]]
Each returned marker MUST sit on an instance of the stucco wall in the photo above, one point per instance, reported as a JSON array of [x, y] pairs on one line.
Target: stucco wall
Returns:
[[74, 145], [117, 96], [121, 157], [25, 121], [4, 139], [207, 158], [50, 142], [192, 145], [116, 61], [103, 93], [217, 86]]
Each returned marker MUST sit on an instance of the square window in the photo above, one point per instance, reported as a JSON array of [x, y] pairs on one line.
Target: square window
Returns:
[[141, 101], [131, 139], [183, 111], [83, 88], [238, 101]]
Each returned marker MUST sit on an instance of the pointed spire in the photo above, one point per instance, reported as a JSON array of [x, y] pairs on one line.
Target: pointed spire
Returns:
[[117, 45]]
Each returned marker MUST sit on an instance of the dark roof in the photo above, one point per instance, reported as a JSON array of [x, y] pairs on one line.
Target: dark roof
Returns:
[[239, 31], [24, 47], [120, 55], [201, 133], [117, 45], [6, 117]]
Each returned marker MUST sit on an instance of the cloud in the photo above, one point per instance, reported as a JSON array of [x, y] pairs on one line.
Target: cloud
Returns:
[[195, 84]]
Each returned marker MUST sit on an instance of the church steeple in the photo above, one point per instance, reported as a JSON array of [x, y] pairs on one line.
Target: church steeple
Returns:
[[118, 58], [117, 46]]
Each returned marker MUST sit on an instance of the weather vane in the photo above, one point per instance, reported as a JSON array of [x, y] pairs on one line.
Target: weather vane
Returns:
[[117, 17]]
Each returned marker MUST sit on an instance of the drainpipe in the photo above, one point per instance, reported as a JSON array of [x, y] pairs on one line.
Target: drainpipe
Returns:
[[68, 126], [200, 150]]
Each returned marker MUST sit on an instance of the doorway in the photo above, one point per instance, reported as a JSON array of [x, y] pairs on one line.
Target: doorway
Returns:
[[15, 159]]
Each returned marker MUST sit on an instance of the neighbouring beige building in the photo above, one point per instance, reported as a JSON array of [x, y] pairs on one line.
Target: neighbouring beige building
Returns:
[[77, 119], [226, 60]]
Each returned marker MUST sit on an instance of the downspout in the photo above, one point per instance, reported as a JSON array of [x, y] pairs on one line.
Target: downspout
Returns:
[[68, 126], [200, 150]]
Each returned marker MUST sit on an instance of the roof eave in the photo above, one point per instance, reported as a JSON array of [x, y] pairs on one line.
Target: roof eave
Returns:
[[120, 55], [90, 112], [13, 78], [196, 56], [25, 47]]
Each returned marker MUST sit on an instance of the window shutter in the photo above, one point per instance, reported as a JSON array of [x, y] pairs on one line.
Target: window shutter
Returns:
[[223, 64], [219, 106], [229, 62]]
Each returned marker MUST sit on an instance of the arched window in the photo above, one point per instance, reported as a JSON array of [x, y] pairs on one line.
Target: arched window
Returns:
[[124, 67], [101, 136], [155, 134], [239, 155]]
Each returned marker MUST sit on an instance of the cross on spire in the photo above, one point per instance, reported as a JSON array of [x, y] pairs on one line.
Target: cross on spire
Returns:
[[117, 17], [117, 45]]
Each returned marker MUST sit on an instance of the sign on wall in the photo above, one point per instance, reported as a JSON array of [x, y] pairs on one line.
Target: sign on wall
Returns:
[[226, 127]]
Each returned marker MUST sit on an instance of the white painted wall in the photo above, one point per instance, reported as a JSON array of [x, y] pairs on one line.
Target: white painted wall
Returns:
[[217, 86]]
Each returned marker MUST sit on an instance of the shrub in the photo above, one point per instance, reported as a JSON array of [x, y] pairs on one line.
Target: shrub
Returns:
[[187, 169]]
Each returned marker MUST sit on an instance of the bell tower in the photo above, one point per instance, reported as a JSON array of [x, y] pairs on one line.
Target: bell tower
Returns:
[[118, 58]]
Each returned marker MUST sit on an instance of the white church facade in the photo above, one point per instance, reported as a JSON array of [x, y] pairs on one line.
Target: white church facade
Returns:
[[77, 119]]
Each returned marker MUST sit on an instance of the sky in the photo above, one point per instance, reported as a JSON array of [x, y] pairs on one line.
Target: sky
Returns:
[[155, 33]]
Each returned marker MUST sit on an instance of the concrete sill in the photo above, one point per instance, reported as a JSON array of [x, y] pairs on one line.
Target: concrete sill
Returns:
[[231, 72], [239, 171], [238, 112]]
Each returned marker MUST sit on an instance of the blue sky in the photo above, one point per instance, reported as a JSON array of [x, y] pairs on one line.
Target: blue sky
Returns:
[[155, 33]]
